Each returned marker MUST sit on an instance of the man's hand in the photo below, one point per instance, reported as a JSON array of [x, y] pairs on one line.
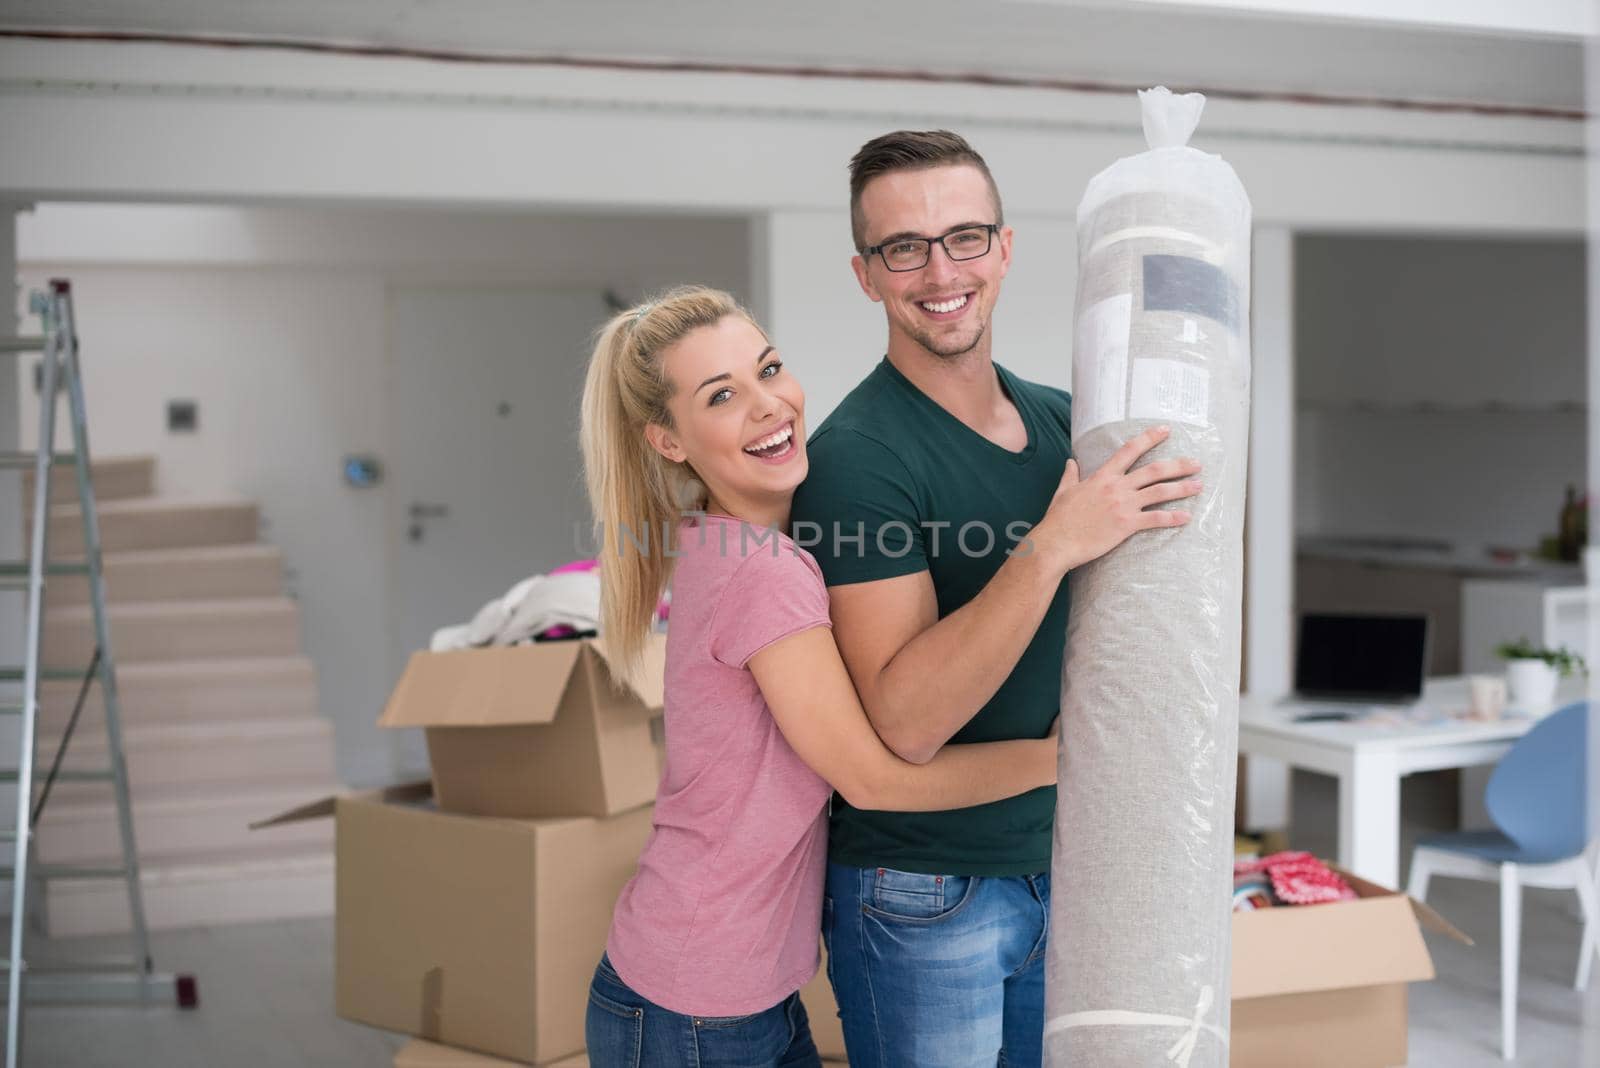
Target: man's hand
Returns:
[[1088, 518]]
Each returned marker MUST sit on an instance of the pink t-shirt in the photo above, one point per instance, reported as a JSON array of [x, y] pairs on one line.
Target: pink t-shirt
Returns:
[[722, 918]]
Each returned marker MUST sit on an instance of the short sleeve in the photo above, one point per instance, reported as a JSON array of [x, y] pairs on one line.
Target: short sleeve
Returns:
[[770, 597], [1061, 408], [856, 512]]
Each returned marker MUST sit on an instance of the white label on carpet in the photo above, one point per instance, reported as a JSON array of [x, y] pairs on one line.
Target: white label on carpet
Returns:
[[1170, 392], [1100, 364]]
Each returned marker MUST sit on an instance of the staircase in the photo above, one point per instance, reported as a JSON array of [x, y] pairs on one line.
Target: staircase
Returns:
[[219, 714]]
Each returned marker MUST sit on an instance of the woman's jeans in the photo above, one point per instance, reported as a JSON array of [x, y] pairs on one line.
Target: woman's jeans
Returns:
[[625, 1030]]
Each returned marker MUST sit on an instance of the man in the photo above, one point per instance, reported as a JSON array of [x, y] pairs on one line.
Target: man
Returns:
[[945, 512]]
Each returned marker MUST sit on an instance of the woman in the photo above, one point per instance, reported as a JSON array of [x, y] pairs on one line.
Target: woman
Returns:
[[694, 442]]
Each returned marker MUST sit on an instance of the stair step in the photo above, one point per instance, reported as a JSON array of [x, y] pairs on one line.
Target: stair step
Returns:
[[113, 477], [155, 523], [177, 630], [24, 460], [70, 871], [291, 882], [182, 828], [16, 575], [185, 691], [195, 759], [100, 774], [202, 573], [19, 673]]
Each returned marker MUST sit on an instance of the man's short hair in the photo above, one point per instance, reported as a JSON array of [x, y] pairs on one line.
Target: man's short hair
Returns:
[[911, 150]]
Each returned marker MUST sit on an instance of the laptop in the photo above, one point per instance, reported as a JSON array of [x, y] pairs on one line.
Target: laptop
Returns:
[[1346, 663]]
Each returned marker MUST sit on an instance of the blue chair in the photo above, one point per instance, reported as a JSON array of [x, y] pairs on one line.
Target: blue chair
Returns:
[[1536, 797]]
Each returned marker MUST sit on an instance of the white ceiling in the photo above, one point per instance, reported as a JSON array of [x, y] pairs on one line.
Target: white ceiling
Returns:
[[1126, 42]]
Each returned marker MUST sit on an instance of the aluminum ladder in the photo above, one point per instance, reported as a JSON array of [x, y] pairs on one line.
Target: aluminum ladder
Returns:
[[102, 982]]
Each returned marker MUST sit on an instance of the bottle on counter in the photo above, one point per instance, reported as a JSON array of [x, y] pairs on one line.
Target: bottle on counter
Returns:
[[1572, 527]]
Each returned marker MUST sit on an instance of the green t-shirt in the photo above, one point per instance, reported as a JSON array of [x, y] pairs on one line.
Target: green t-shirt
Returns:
[[899, 485]]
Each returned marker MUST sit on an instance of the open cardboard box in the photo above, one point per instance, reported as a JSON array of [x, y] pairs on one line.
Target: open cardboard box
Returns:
[[534, 730], [1324, 986], [477, 933]]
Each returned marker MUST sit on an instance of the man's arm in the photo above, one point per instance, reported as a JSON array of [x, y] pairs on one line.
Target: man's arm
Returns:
[[921, 678]]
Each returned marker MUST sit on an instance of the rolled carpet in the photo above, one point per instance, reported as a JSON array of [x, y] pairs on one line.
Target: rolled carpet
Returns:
[[1138, 960]]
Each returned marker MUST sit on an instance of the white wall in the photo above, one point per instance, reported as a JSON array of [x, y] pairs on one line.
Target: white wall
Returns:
[[1441, 386], [274, 321], [806, 296]]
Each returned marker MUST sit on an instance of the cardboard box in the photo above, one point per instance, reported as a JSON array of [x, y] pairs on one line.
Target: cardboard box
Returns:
[[535, 730], [1324, 986], [477, 933], [419, 1053]]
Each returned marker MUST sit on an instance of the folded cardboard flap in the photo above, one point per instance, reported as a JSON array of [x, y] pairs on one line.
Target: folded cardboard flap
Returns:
[[651, 685], [470, 687], [1438, 924], [322, 807], [533, 730], [1299, 949], [515, 685], [1425, 915]]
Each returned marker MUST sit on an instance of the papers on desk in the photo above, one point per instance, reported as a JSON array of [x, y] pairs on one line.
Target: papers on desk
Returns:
[[1412, 715], [1339, 712]]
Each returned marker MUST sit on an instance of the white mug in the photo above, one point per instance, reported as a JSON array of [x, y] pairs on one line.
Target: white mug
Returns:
[[1488, 696]]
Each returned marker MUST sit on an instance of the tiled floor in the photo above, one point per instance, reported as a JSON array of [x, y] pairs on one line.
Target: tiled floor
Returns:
[[266, 1001], [1455, 1020]]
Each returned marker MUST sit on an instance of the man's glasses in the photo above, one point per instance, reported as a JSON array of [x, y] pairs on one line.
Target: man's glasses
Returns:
[[911, 253]]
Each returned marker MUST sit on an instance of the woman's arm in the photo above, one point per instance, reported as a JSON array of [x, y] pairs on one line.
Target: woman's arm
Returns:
[[804, 682]]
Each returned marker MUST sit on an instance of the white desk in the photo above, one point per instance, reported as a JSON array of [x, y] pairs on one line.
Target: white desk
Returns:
[[1370, 756]]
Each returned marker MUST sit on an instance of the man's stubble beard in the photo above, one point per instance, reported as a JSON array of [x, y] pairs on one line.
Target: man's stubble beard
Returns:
[[929, 343]]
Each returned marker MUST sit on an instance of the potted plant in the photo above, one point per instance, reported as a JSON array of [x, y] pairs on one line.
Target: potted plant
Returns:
[[1532, 672]]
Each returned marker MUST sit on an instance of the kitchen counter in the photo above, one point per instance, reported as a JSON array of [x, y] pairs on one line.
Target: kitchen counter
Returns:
[[1438, 556]]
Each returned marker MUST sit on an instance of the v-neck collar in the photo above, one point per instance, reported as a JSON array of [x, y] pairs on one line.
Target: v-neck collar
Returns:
[[941, 412]]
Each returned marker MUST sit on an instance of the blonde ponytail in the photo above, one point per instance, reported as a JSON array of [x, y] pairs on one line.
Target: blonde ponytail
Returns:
[[636, 494]]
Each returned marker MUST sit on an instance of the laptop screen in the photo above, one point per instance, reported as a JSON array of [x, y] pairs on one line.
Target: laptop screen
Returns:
[[1361, 656]]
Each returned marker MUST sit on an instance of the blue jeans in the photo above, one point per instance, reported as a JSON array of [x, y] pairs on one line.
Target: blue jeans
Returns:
[[937, 971], [625, 1030]]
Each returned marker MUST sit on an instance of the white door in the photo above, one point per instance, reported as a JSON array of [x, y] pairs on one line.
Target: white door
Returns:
[[484, 475]]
